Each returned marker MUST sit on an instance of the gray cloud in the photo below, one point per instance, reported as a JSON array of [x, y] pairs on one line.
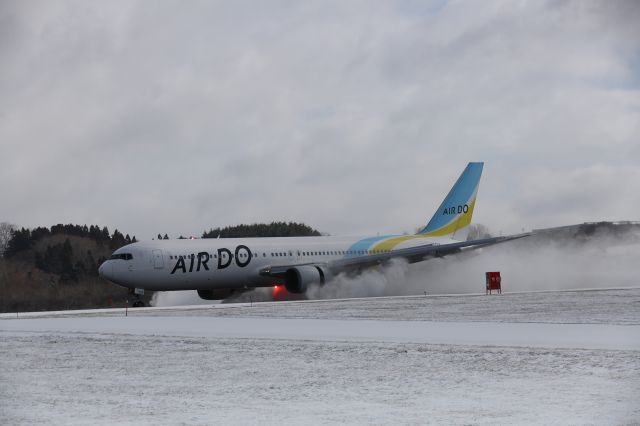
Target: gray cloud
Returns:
[[354, 117]]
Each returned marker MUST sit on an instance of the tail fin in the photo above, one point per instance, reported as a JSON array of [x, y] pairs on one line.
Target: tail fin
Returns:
[[453, 217]]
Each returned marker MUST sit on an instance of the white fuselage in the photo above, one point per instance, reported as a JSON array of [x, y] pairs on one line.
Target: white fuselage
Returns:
[[202, 264]]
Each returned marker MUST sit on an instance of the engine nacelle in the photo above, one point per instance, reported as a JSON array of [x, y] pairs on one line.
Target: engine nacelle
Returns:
[[217, 294], [325, 274], [299, 278]]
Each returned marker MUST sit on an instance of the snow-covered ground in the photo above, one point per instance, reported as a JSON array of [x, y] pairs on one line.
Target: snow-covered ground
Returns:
[[582, 336], [529, 358]]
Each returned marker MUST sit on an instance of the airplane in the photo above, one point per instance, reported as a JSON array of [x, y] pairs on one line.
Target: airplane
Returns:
[[219, 268]]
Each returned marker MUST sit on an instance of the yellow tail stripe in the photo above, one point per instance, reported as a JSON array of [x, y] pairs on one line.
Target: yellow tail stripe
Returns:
[[459, 222]]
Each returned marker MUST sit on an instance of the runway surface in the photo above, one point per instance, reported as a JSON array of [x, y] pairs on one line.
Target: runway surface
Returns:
[[529, 358], [584, 336]]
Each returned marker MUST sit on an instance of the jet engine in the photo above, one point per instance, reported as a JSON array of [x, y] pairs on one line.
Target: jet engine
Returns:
[[298, 279]]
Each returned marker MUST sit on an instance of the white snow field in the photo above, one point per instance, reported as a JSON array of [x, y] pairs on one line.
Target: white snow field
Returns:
[[529, 358]]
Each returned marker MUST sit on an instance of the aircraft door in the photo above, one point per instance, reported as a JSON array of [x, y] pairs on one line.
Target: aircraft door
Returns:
[[158, 261]]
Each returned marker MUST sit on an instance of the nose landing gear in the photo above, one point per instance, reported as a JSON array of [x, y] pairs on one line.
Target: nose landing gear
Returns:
[[135, 294]]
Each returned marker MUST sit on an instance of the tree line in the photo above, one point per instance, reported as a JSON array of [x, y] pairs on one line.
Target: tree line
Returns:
[[59, 257], [273, 229], [24, 238], [256, 230]]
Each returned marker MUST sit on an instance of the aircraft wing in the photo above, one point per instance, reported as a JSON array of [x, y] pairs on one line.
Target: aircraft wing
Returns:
[[411, 254]]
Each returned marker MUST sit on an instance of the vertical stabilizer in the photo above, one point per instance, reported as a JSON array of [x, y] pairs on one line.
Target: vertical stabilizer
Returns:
[[453, 217]]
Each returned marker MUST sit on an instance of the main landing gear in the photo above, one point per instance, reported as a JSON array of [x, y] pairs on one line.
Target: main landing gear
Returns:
[[135, 294]]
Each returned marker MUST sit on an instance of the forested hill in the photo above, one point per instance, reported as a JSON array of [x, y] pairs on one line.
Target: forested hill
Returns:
[[57, 268], [273, 229]]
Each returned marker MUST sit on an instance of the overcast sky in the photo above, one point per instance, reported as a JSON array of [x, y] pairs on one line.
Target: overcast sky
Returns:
[[354, 117]]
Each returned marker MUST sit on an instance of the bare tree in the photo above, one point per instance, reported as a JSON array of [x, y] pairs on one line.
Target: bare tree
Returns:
[[478, 231], [6, 232]]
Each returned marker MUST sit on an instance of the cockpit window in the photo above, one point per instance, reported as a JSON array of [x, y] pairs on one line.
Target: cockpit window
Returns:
[[122, 256]]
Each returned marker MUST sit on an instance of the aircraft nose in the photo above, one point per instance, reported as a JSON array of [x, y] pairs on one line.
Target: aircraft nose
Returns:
[[104, 270]]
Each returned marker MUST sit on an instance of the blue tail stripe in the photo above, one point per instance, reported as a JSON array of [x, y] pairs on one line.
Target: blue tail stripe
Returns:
[[459, 195]]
